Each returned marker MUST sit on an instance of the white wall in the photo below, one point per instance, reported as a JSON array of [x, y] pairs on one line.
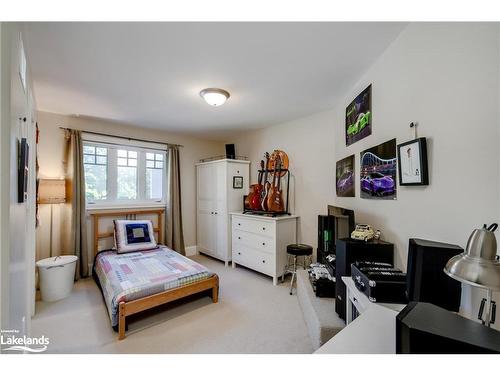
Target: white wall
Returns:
[[51, 150], [17, 245], [443, 76]]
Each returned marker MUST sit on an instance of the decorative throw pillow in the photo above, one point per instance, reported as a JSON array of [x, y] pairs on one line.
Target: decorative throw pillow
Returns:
[[134, 235]]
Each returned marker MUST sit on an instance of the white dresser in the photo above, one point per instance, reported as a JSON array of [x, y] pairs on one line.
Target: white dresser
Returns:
[[216, 197], [259, 242]]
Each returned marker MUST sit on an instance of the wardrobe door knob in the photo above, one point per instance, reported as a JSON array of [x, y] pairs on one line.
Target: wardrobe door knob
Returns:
[[239, 238], [239, 253], [263, 261], [239, 223], [263, 244], [263, 228]]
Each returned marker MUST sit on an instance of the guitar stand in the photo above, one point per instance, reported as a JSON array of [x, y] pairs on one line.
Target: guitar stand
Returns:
[[271, 213]]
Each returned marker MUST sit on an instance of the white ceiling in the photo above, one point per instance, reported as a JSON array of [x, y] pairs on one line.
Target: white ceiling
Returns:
[[150, 74]]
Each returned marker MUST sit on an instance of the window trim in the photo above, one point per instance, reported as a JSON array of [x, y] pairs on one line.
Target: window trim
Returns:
[[111, 177]]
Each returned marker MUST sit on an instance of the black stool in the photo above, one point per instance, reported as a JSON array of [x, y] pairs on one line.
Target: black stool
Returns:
[[296, 250]]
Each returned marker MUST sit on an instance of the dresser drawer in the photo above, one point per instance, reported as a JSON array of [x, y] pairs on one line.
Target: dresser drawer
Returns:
[[262, 227], [254, 259], [253, 240]]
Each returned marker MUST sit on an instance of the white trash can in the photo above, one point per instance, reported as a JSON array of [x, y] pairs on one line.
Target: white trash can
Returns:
[[56, 277]]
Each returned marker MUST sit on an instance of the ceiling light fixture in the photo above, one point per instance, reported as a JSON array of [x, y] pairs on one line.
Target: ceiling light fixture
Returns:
[[214, 97]]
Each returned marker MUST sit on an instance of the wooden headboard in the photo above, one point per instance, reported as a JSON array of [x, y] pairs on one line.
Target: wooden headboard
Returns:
[[128, 215]]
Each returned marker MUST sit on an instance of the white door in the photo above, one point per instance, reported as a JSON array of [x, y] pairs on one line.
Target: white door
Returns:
[[220, 222], [205, 215]]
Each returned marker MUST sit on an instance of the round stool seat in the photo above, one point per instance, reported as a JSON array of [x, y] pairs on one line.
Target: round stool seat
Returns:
[[299, 249]]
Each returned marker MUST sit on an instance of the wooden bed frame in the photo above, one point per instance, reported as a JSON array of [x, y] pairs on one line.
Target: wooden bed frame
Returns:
[[146, 303]]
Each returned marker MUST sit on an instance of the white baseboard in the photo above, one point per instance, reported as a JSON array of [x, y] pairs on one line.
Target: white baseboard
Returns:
[[191, 250]]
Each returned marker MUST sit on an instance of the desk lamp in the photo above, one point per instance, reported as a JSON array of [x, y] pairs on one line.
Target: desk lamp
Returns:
[[479, 266]]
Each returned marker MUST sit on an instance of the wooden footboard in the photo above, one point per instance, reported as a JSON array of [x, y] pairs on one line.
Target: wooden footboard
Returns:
[[145, 303]]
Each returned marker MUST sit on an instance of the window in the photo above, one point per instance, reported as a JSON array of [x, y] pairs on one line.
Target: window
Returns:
[[127, 175], [154, 175], [117, 175], [95, 161]]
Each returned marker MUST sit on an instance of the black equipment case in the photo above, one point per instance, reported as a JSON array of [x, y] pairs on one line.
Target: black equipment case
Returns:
[[380, 282], [323, 288]]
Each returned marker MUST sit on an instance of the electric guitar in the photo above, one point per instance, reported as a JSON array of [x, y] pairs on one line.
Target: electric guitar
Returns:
[[275, 198], [254, 199], [266, 184]]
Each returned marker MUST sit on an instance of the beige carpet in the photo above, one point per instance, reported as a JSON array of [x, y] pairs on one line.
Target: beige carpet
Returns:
[[252, 316]]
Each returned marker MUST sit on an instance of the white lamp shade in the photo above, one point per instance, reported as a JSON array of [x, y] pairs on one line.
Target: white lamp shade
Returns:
[[51, 191]]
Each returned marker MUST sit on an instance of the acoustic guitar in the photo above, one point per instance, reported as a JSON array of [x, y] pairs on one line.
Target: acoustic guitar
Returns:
[[275, 197], [254, 199], [266, 184]]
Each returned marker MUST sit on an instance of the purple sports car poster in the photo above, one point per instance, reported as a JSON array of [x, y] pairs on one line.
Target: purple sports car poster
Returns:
[[378, 171], [344, 177]]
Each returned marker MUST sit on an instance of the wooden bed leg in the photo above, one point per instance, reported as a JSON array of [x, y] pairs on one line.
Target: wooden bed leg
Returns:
[[121, 321], [215, 291]]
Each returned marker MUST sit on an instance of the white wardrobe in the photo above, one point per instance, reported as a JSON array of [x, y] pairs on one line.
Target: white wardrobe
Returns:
[[217, 196]]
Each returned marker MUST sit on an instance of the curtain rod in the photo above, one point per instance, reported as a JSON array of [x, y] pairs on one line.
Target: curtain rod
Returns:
[[127, 138]]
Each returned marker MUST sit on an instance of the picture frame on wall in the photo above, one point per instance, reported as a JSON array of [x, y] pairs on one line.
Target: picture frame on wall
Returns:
[[412, 166], [358, 117], [23, 170], [378, 172], [237, 182], [344, 177]]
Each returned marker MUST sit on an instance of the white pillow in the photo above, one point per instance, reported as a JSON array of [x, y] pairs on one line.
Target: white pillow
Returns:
[[134, 235]]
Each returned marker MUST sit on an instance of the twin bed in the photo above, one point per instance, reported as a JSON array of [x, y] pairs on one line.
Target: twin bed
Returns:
[[135, 281]]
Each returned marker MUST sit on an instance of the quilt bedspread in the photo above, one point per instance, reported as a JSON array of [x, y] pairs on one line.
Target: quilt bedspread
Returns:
[[130, 276]]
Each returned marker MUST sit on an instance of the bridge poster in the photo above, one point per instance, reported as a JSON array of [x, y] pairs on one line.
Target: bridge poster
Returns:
[[358, 117], [378, 171]]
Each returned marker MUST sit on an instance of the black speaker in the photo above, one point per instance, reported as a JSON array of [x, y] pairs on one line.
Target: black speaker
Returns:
[[425, 278], [423, 328], [230, 153]]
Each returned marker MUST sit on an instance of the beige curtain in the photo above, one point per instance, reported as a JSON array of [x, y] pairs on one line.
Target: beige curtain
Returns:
[[174, 237], [76, 193]]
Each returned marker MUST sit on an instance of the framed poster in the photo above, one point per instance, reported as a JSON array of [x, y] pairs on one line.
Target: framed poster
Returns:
[[237, 182], [412, 157], [358, 117], [378, 171], [22, 173], [344, 177]]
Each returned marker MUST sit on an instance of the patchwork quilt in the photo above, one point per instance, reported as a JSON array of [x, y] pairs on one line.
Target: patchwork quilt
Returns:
[[130, 276]]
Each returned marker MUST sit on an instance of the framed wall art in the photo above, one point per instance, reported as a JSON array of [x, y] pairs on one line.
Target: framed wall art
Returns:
[[237, 182], [412, 156], [378, 171], [344, 177], [23, 171], [358, 117]]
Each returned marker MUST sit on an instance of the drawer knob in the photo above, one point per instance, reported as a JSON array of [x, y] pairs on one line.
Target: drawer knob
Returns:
[[239, 238], [263, 244], [263, 228], [239, 223], [216, 213], [239, 253], [263, 261]]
